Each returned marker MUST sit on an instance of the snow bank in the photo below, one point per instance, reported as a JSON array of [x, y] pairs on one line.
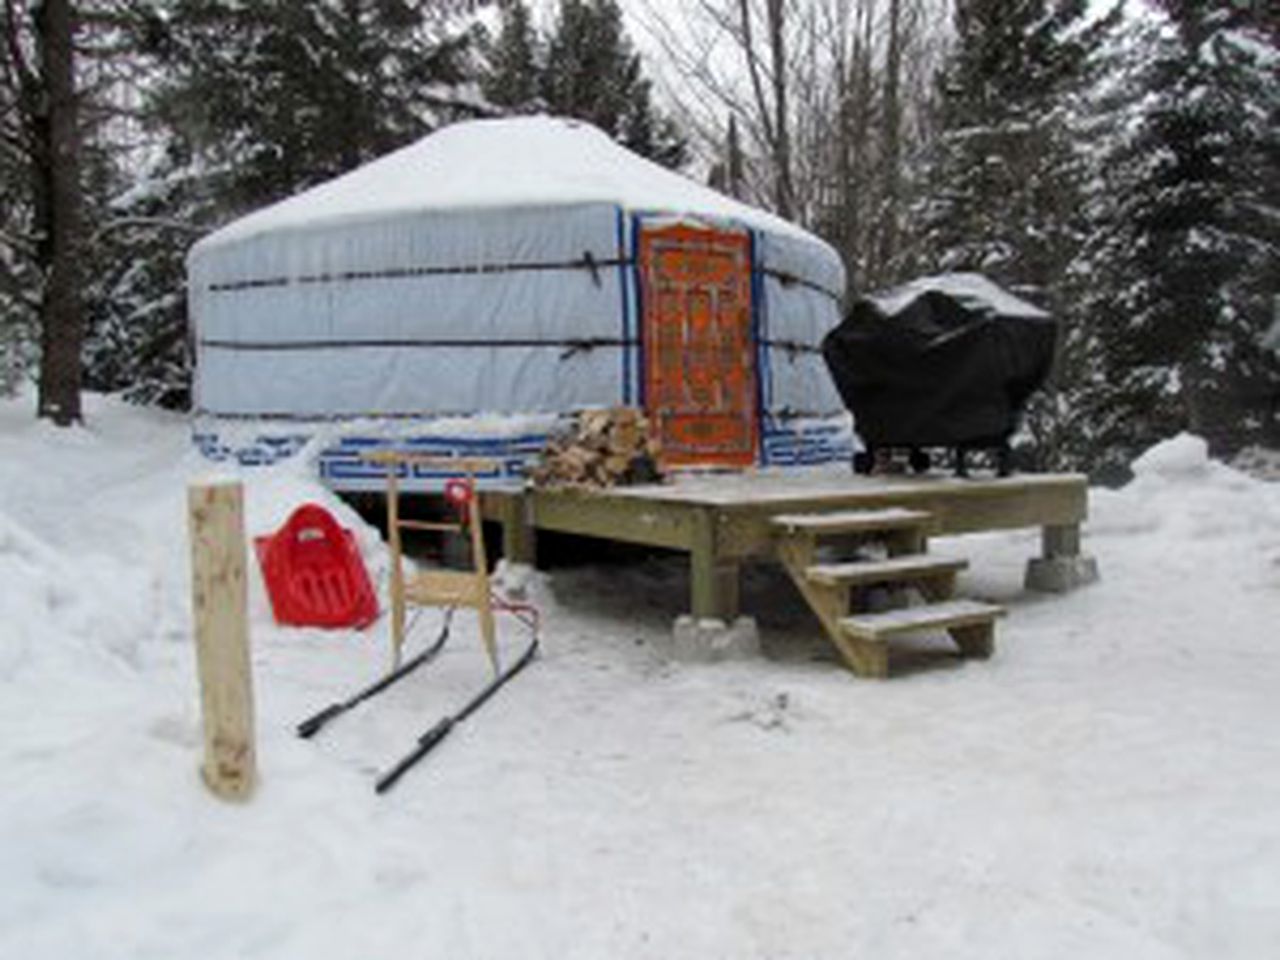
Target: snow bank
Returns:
[[1110, 780], [1184, 458], [1179, 489]]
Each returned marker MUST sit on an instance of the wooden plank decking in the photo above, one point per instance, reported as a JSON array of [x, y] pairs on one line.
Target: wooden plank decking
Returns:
[[723, 519]]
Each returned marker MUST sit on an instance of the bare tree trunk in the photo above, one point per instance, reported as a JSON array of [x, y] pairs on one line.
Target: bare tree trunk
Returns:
[[55, 145], [891, 138], [857, 95], [735, 178], [830, 103], [773, 115], [781, 118]]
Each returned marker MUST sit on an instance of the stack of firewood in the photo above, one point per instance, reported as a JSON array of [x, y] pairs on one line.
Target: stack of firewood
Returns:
[[604, 448]]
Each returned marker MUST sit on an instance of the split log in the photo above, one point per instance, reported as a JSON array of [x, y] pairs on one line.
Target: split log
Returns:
[[604, 448]]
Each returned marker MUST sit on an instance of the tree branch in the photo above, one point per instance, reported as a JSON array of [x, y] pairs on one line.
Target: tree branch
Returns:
[[753, 70], [26, 76], [127, 223]]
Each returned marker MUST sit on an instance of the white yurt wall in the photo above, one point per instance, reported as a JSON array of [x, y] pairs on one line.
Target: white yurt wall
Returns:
[[463, 293]]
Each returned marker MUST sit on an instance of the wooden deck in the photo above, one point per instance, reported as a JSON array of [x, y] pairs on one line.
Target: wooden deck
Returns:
[[723, 519]]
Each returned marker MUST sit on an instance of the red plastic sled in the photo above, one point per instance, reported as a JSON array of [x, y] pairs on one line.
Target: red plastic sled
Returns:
[[314, 574]]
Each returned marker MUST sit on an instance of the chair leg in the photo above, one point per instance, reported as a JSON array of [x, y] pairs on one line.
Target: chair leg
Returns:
[[484, 605], [397, 566]]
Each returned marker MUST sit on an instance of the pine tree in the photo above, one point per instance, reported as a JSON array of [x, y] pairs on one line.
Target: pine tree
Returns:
[[106, 74], [1005, 183], [19, 285], [272, 96], [255, 100], [138, 344], [42, 158], [1188, 245], [592, 73], [512, 79], [1002, 177]]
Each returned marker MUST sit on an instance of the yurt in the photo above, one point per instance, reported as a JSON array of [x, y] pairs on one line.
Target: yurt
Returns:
[[470, 292]]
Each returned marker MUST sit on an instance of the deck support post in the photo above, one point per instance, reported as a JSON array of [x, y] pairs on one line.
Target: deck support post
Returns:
[[1060, 541], [713, 581], [1061, 567], [976, 641]]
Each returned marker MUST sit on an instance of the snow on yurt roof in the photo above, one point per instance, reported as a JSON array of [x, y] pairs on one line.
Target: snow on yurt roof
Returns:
[[518, 162]]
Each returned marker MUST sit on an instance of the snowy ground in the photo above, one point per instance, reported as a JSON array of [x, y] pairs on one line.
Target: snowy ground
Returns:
[[1107, 786]]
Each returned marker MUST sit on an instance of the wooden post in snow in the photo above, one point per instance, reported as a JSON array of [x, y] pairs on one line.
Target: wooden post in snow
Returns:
[[218, 600]]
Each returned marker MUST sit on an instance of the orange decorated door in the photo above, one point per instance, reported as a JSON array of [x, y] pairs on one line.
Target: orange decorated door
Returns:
[[700, 371]]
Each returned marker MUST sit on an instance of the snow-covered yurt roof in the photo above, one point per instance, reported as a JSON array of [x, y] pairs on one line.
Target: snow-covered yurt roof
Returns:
[[519, 162], [491, 267]]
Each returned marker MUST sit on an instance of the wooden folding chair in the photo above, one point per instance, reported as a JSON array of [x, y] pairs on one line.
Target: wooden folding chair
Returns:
[[438, 588]]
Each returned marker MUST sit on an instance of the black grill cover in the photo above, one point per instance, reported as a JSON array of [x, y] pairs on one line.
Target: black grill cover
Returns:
[[941, 361]]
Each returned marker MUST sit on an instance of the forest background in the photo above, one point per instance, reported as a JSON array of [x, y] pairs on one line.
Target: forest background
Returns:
[[1118, 164]]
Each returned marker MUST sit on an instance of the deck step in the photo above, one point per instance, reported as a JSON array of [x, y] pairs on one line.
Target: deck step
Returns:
[[852, 521], [934, 616], [915, 566]]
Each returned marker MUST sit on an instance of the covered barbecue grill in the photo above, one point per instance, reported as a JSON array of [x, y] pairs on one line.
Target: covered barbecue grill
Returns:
[[943, 361]]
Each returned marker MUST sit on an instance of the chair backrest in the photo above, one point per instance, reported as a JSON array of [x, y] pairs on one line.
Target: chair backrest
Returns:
[[436, 588]]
